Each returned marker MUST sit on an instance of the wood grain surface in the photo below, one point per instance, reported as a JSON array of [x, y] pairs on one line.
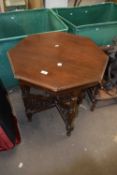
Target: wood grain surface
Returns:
[[58, 61]]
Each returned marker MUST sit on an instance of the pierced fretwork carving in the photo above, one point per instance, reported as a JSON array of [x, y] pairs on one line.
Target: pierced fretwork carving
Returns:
[[67, 105]]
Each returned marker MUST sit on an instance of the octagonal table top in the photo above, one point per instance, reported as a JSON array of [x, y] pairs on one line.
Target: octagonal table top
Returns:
[[58, 61]]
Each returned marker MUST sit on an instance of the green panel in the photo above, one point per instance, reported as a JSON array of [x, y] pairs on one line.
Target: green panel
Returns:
[[98, 22], [101, 34], [15, 26], [85, 15], [29, 22], [6, 74]]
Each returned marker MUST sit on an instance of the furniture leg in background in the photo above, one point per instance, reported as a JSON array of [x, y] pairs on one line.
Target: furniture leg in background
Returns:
[[77, 2], [2, 5], [34, 4]]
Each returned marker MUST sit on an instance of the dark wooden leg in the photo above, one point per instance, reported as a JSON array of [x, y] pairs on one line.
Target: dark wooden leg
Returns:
[[34, 102], [68, 112], [25, 94], [71, 115], [77, 2], [68, 109], [92, 92], [94, 101]]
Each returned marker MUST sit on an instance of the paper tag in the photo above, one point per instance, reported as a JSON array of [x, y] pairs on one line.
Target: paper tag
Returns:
[[59, 64], [56, 45], [44, 72]]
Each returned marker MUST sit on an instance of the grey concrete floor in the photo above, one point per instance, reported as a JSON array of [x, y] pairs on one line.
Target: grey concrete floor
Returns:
[[46, 150]]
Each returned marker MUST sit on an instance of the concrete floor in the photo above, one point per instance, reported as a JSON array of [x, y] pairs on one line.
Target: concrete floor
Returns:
[[46, 150]]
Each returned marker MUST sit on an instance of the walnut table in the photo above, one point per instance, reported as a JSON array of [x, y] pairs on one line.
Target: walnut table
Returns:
[[62, 65]]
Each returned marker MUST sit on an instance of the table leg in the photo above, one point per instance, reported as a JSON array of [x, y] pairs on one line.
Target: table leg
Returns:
[[35, 102], [92, 92], [69, 109], [68, 112], [76, 2], [25, 94]]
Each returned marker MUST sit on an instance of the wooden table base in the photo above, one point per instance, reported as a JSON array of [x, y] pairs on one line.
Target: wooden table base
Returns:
[[66, 103]]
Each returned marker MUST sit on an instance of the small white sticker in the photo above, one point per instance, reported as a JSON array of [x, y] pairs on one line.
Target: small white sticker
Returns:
[[44, 72], [71, 13], [59, 64], [56, 45]]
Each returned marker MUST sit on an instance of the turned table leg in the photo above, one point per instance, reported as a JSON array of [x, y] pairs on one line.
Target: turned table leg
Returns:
[[35, 103], [72, 112], [25, 95], [68, 109]]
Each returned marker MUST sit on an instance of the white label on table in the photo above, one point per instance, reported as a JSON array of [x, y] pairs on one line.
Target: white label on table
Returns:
[[44, 72], [56, 45], [59, 64]]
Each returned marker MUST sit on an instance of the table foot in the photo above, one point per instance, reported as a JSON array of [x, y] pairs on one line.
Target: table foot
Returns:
[[68, 110], [69, 130], [29, 116]]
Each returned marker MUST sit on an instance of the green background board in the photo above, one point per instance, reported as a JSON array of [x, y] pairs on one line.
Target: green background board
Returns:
[[14, 26], [6, 74], [98, 22]]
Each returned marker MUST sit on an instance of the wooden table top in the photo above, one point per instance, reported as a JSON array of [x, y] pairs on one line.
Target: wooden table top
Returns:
[[58, 61]]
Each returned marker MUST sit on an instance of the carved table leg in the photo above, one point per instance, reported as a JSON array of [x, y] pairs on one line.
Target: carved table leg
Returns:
[[35, 102], [71, 115], [25, 94], [68, 110], [92, 92]]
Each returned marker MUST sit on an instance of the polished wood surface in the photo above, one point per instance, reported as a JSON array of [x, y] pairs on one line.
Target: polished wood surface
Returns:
[[68, 60]]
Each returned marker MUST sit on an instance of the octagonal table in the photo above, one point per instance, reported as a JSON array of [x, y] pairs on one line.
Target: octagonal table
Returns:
[[60, 64]]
